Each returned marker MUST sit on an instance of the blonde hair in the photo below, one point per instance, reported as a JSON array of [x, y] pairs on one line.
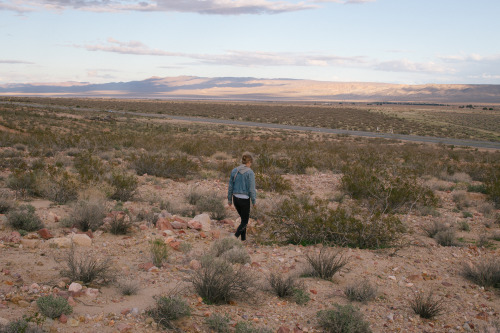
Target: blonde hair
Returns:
[[247, 157]]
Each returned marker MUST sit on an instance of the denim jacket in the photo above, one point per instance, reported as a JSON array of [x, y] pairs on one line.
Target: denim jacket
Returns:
[[242, 181]]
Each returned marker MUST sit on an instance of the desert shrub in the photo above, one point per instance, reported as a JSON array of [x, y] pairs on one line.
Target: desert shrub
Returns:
[[223, 245], [194, 195], [492, 184], [87, 215], [283, 287], [362, 291], [446, 237], [162, 165], [435, 227], [343, 319], [128, 287], [24, 218], [167, 309], [479, 188], [386, 191], [159, 251], [466, 214], [6, 203], [87, 268], [120, 224], [301, 296], [325, 263], [218, 282], [90, 168], [124, 185], [236, 255], [485, 273], [53, 306], [218, 323], [461, 199], [20, 326], [486, 208], [272, 181], [58, 185], [212, 204], [247, 327], [464, 226], [426, 306], [300, 220], [23, 182]]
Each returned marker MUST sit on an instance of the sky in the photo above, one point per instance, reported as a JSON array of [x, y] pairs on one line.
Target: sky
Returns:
[[391, 41]]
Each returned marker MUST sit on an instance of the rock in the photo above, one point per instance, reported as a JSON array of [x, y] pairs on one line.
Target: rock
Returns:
[[92, 292], [194, 264], [61, 242], [228, 222], [143, 227], [82, 240], [414, 278], [45, 233], [175, 245], [34, 286], [178, 225], [3, 321], [314, 291], [164, 215], [63, 319], [204, 219], [73, 322], [215, 234], [466, 327], [164, 224], [391, 277], [23, 304], [14, 237], [283, 329], [390, 317], [71, 301], [196, 225], [149, 321], [203, 235], [29, 243], [146, 266], [124, 328], [75, 287]]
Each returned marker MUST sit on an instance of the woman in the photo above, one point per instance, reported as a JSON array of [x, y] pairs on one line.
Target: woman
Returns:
[[241, 191]]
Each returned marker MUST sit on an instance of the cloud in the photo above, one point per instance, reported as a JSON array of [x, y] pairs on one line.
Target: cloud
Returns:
[[229, 58], [215, 7], [15, 62], [345, 2], [473, 57], [405, 65], [16, 6]]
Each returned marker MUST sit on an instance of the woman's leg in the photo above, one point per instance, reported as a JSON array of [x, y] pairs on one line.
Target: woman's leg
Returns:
[[243, 208]]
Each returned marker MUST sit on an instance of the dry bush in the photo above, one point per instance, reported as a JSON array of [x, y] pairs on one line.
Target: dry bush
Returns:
[[218, 323], [362, 291], [220, 246], [213, 204], [325, 263], [218, 282], [343, 319], [87, 215], [24, 218], [125, 185], [446, 237], [435, 227], [461, 199], [87, 268], [426, 306], [272, 181], [58, 186], [121, 224], [90, 168], [282, 286], [129, 287], [24, 183], [162, 165], [485, 273], [159, 251]]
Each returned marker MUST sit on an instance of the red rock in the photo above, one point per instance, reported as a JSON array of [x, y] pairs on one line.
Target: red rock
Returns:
[[283, 329], [178, 225], [255, 264], [194, 225], [164, 224], [446, 284], [125, 312], [124, 328], [143, 227], [313, 291], [482, 315], [178, 219], [14, 237], [181, 232], [146, 266], [175, 245], [414, 278], [215, 234], [228, 222], [63, 319], [203, 235], [45, 233], [297, 330]]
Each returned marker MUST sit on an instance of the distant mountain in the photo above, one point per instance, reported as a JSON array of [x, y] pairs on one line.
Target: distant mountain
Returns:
[[234, 88]]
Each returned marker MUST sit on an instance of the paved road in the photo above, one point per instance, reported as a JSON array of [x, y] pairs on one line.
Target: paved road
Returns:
[[411, 138]]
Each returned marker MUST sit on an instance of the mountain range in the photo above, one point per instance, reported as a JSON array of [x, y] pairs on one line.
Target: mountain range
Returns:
[[254, 89]]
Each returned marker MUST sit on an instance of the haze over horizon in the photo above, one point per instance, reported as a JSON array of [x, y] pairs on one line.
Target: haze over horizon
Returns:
[[386, 41]]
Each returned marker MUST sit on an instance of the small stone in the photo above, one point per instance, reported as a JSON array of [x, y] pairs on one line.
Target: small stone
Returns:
[[194, 264], [314, 291], [45, 233], [82, 240], [61, 242], [143, 227], [75, 287], [391, 277], [73, 322], [63, 319], [92, 292], [390, 317], [149, 321], [204, 220], [466, 327], [71, 301], [29, 243], [146, 266], [164, 224], [194, 225], [23, 304], [283, 329]]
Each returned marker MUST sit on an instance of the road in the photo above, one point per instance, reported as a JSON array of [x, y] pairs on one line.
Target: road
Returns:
[[402, 137]]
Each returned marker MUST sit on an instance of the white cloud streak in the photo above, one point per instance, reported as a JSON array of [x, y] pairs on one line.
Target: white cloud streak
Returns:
[[13, 62]]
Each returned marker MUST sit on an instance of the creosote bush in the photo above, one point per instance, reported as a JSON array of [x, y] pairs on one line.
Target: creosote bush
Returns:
[[343, 319], [53, 306], [87, 268], [325, 263], [124, 185], [168, 309], [217, 281], [162, 165], [24, 218], [426, 306], [362, 291], [212, 204], [485, 273], [120, 224]]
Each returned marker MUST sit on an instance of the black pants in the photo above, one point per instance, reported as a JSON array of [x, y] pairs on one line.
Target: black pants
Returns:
[[243, 208]]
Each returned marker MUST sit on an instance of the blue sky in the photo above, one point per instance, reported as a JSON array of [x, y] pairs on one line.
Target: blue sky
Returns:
[[393, 41]]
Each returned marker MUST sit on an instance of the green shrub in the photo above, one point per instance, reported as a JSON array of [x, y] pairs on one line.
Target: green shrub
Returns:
[[247, 327], [20, 326], [23, 182], [6, 203], [162, 165], [87, 268], [89, 167], [223, 245], [479, 188], [87, 215], [492, 184], [59, 186], [325, 263], [283, 287], [53, 306], [125, 186], [213, 204], [301, 296], [120, 224], [272, 181], [218, 282], [485, 273], [300, 220], [167, 309], [159, 251], [218, 323], [362, 291], [464, 226], [343, 319], [24, 218], [426, 306]]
